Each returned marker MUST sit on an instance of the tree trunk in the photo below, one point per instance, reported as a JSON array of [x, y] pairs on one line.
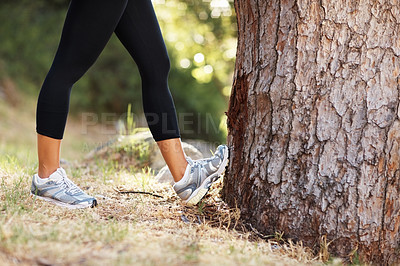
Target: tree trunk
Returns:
[[314, 124]]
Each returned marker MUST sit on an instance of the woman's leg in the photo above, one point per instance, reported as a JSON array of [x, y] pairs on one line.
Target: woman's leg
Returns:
[[174, 156], [48, 154], [139, 32], [88, 27]]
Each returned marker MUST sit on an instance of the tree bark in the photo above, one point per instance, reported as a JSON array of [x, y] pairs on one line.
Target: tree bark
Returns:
[[314, 124]]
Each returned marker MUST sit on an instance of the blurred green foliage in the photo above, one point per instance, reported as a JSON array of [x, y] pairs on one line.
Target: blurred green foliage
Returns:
[[200, 36]]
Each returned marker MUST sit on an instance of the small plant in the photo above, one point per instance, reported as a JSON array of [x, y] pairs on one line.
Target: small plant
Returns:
[[278, 236], [144, 152], [354, 258], [14, 196], [147, 173], [323, 252], [76, 172], [130, 124], [138, 150], [201, 207], [106, 168]]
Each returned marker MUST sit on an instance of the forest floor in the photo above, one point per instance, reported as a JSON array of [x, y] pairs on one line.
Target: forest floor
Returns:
[[126, 228]]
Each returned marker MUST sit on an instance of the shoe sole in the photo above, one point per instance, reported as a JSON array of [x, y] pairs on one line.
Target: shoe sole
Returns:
[[201, 191], [66, 205]]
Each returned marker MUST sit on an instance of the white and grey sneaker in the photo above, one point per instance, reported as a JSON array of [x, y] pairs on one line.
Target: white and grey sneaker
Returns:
[[200, 174], [60, 190]]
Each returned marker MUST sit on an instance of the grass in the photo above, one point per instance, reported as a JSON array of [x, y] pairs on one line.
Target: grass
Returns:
[[126, 228]]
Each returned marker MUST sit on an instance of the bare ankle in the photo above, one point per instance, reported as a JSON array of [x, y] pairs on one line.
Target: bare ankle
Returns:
[[45, 173], [181, 174]]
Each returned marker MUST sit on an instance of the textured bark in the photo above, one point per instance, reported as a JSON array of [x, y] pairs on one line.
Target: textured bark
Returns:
[[314, 124]]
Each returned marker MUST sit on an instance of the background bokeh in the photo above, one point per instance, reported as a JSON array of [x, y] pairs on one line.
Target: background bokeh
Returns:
[[200, 36]]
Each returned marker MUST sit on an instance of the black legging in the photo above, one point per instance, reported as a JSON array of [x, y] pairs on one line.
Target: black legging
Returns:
[[88, 27]]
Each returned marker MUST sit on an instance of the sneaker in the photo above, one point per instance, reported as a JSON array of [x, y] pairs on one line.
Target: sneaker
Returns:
[[58, 189], [200, 174]]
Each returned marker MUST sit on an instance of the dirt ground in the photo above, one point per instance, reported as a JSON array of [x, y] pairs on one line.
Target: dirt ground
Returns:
[[137, 222]]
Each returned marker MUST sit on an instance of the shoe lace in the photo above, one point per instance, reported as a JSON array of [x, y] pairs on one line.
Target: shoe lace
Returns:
[[196, 163], [68, 185]]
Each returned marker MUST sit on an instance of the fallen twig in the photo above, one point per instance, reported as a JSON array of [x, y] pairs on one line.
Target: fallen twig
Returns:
[[138, 192]]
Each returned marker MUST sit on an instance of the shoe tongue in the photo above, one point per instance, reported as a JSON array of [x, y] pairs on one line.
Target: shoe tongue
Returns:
[[57, 175]]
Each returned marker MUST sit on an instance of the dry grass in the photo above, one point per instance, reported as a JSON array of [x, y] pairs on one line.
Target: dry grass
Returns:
[[126, 228]]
